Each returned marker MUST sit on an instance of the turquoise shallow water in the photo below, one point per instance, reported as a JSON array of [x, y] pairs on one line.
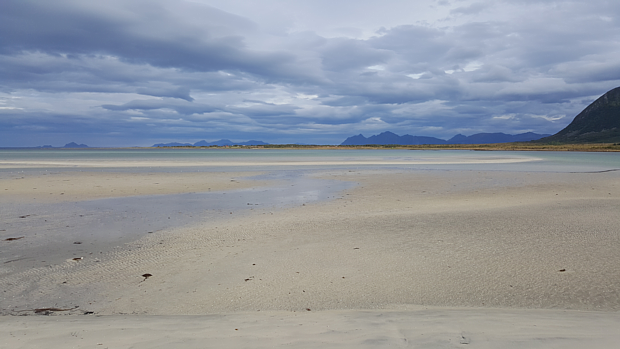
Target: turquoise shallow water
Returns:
[[235, 154], [412, 159]]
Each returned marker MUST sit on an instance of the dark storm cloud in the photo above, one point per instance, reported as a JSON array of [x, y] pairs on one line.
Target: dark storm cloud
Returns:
[[50, 73], [262, 110], [155, 104], [180, 92], [149, 35], [253, 110], [156, 68]]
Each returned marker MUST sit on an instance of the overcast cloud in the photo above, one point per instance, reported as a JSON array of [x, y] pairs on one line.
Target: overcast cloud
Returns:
[[138, 72]]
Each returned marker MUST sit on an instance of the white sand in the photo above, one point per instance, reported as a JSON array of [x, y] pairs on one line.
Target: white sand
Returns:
[[511, 246], [244, 162], [410, 328]]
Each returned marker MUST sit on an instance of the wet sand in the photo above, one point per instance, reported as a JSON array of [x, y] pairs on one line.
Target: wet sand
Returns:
[[511, 259], [61, 186]]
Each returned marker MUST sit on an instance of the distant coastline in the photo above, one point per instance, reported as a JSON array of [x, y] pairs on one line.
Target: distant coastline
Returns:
[[518, 146]]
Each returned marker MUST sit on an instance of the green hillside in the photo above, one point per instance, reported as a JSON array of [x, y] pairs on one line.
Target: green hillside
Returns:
[[598, 123]]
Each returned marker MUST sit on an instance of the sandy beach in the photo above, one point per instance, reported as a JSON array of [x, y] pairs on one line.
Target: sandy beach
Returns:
[[405, 258]]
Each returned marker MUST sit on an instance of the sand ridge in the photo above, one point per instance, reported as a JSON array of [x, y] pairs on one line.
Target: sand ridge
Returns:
[[209, 163]]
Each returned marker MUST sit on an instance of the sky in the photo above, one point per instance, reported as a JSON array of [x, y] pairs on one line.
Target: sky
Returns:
[[139, 72]]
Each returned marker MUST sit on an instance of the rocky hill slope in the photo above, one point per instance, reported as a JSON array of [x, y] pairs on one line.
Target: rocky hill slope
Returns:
[[598, 123]]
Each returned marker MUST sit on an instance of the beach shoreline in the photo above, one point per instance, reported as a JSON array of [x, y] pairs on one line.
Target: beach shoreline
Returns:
[[503, 244]]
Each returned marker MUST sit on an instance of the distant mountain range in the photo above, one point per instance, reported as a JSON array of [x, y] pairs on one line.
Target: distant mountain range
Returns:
[[387, 138], [75, 145], [479, 138], [68, 145], [203, 143], [597, 123]]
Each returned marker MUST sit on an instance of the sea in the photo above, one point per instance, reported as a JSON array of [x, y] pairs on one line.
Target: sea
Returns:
[[163, 159]]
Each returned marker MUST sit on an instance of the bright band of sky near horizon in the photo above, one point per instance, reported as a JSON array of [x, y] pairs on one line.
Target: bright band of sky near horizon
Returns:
[[137, 72]]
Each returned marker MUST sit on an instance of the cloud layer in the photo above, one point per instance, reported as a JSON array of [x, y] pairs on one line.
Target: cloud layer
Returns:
[[122, 73]]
